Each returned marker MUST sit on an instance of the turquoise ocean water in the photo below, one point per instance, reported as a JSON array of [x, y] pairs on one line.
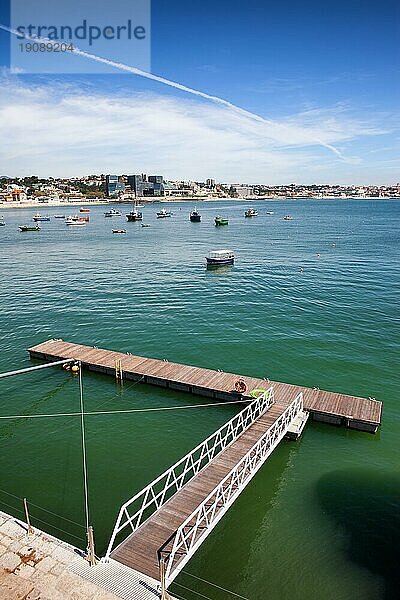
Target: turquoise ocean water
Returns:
[[321, 519]]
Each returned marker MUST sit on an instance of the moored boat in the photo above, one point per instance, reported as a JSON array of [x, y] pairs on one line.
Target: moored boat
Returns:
[[221, 221], [250, 212], [84, 209], [119, 230], [270, 212], [29, 228], [288, 218], [39, 217], [77, 218], [162, 214], [145, 225], [135, 214], [75, 222], [195, 216], [113, 213], [217, 258], [59, 216]]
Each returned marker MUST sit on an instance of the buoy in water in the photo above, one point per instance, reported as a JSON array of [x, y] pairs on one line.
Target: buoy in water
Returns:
[[75, 369]]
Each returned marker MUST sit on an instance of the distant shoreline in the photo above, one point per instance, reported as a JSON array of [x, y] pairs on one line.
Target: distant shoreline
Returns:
[[166, 199]]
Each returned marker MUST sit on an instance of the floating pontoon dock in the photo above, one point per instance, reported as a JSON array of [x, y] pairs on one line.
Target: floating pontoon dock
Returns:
[[159, 529], [338, 409]]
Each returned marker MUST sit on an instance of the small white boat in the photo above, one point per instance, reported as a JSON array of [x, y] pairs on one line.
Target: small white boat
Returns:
[[218, 258], [113, 213], [77, 219], [270, 212], [250, 212], [39, 217], [162, 214], [75, 223], [288, 218]]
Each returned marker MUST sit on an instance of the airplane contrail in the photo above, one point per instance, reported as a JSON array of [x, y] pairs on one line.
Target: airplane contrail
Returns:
[[170, 83]]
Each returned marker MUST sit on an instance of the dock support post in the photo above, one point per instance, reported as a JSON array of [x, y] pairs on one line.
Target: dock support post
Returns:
[[118, 371], [164, 594], [91, 557], [28, 521]]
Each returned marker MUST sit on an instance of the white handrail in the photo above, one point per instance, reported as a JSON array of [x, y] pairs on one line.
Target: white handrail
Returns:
[[203, 519], [154, 495]]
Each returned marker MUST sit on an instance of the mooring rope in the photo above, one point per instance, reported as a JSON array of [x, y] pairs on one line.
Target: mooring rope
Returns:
[[19, 510], [116, 412], [193, 591], [215, 585], [41, 508], [84, 465]]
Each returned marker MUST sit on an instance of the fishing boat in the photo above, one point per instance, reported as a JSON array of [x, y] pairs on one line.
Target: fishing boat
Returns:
[[162, 214], [59, 216], [220, 221], [113, 213], [135, 214], [75, 222], [195, 216], [84, 209], [288, 218], [250, 212], [217, 258], [39, 217], [29, 228], [77, 218], [119, 230]]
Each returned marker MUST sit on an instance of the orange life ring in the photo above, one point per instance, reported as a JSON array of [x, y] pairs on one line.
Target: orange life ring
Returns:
[[240, 386]]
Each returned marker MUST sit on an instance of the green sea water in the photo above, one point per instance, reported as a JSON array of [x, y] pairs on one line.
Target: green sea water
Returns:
[[312, 301]]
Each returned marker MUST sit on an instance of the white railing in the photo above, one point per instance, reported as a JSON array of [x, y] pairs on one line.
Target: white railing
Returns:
[[179, 548], [139, 508]]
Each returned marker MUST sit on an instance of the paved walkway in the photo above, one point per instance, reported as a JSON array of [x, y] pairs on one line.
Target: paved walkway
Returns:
[[41, 567]]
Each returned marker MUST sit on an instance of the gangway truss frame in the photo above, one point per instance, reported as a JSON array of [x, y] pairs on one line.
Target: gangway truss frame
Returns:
[[159, 491], [190, 535]]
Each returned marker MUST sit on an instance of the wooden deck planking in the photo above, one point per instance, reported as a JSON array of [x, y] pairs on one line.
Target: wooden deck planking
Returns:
[[329, 406], [181, 373], [139, 550], [205, 377]]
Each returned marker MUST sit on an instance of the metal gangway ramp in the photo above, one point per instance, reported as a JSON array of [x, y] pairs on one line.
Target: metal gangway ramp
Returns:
[[169, 519]]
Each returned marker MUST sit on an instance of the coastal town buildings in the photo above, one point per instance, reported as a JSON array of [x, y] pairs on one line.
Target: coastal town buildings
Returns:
[[13, 193], [21, 190], [114, 185], [143, 185]]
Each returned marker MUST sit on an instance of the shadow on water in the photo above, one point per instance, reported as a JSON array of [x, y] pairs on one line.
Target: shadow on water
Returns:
[[365, 504]]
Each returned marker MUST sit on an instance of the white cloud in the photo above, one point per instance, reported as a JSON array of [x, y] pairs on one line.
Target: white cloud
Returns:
[[56, 129]]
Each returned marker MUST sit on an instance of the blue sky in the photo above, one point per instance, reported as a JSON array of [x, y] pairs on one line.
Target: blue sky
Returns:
[[323, 74]]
